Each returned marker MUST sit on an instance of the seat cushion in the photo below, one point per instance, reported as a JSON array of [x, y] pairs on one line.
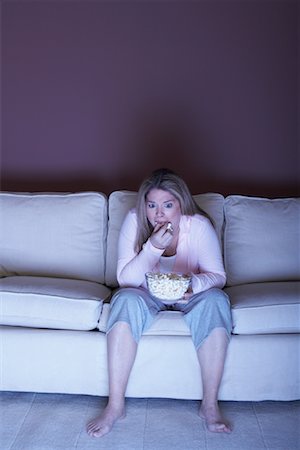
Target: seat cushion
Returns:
[[120, 202], [265, 308], [166, 323], [58, 303], [53, 235], [261, 239]]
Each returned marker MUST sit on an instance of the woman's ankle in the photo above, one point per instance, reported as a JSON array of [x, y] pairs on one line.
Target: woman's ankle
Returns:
[[116, 404], [209, 403]]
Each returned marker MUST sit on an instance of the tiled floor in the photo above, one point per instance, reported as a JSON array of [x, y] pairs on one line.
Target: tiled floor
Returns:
[[51, 421]]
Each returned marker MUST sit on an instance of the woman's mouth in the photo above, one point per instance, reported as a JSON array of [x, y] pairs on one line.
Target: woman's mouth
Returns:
[[169, 226]]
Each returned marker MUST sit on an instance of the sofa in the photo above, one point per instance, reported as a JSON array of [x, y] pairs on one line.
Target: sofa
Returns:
[[58, 255]]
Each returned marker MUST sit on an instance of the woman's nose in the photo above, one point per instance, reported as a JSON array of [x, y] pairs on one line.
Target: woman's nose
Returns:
[[159, 212]]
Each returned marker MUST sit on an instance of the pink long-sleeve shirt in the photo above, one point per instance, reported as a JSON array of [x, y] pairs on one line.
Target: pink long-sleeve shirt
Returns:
[[198, 252]]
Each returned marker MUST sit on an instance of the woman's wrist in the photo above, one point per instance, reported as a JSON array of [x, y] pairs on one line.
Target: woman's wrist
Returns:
[[156, 246], [150, 247]]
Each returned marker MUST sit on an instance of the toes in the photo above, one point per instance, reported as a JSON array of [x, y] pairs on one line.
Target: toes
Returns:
[[90, 426], [91, 431], [218, 427], [97, 434], [101, 432], [96, 429]]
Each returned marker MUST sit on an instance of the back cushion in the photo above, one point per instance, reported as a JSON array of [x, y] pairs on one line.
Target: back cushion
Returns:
[[261, 239], [120, 202], [55, 235]]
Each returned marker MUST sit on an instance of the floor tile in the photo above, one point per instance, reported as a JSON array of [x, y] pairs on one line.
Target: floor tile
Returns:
[[280, 424], [127, 433], [173, 424], [246, 433], [54, 421], [14, 406], [49, 422]]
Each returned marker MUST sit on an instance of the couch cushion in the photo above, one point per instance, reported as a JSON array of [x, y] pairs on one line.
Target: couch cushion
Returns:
[[59, 303], [261, 239], [120, 202], [166, 323], [56, 235], [265, 308]]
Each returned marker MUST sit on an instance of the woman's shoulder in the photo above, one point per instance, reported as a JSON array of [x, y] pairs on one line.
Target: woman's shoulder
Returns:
[[197, 225], [196, 220], [130, 217], [131, 213]]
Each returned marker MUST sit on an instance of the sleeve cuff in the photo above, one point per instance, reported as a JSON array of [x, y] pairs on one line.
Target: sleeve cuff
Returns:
[[150, 248]]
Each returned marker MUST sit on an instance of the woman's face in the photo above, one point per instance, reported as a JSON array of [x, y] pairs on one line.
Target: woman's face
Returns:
[[162, 207]]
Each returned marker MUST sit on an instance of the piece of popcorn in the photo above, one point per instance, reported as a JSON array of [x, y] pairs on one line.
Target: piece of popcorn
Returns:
[[170, 227]]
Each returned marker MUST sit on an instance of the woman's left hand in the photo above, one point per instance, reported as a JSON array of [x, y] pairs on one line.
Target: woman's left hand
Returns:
[[187, 295], [189, 292], [185, 299]]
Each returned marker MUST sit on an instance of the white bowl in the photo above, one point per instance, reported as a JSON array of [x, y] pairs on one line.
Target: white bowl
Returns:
[[167, 287]]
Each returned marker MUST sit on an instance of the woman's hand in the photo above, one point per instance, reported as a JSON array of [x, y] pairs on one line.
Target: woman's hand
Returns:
[[161, 237], [187, 296]]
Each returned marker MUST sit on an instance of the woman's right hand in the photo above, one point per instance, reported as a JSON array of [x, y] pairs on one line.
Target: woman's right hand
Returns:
[[161, 237]]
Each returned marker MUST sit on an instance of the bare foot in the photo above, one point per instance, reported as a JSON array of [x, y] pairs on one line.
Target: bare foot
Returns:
[[213, 419], [103, 423]]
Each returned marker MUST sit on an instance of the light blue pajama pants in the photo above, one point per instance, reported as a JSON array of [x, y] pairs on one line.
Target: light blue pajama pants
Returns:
[[203, 313]]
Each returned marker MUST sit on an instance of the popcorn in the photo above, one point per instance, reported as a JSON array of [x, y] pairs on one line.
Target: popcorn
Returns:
[[170, 227], [167, 286]]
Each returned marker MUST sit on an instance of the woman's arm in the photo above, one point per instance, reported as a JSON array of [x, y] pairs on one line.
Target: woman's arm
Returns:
[[209, 257], [132, 266]]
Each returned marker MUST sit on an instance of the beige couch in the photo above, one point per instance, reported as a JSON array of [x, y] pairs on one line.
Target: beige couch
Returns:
[[58, 267]]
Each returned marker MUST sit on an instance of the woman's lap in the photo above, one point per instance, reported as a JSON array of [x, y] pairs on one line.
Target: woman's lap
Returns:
[[204, 312]]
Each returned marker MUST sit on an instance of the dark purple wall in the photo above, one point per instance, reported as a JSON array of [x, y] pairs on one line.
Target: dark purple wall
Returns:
[[97, 94]]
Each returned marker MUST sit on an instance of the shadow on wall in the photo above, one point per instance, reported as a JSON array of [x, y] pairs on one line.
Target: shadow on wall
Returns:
[[94, 183], [162, 140]]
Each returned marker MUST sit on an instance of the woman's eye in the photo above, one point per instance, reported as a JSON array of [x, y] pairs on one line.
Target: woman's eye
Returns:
[[169, 205], [151, 205]]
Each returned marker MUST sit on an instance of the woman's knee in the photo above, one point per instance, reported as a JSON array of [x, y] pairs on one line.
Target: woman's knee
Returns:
[[212, 311], [129, 306], [219, 307], [213, 305]]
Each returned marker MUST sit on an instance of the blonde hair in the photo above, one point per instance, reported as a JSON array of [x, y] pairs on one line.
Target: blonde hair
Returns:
[[169, 181]]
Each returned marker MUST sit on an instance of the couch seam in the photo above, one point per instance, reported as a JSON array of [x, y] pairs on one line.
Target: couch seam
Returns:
[[280, 305], [41, 294]]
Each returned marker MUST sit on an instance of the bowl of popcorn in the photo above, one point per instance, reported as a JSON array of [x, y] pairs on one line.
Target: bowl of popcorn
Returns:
[[167, 287]]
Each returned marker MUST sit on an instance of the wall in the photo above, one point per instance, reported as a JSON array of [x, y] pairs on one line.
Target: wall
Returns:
[[97, 94]]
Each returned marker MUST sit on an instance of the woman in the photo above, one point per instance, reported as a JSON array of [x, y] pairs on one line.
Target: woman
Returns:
[[190, 245]]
